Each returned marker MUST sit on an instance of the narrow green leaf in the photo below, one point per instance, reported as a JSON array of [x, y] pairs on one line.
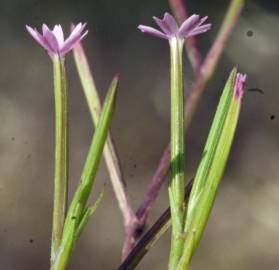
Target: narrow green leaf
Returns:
[[184, 262], [95, 152], [88, 213], [94, 105], [211, 144], [212, 165], [62, 257]]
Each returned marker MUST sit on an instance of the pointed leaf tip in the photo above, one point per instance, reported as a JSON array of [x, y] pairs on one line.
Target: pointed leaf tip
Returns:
[[117, 76]]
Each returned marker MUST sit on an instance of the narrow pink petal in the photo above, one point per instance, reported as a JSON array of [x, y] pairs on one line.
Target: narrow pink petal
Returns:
[[202, 20], [188, 25], [239, 85], [45, 29], [76, 31], [171, 22], [71, 43], [199, 30], [162, 24], [50, 39], [37, 36], [58, 33], [152, 31], [77, 28], [74, 36]]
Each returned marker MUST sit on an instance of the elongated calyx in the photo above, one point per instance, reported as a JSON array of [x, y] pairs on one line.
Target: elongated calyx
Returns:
[[239, 85], [53, 40], [190, 27]]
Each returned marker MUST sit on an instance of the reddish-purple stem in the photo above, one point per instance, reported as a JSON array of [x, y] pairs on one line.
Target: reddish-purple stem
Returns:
[[154, 187], [134, 228]]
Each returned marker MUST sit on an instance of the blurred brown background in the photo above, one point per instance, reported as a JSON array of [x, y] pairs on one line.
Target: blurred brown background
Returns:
[[243, 231]]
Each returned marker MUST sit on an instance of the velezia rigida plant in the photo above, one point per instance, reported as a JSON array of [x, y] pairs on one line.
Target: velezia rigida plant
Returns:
[[68, 224], [188, 222], [176, 37], [190, 207], [55, 45]]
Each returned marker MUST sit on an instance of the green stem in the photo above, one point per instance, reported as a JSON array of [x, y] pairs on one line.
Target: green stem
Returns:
[[78, 211], [61, 154], [176, 187]]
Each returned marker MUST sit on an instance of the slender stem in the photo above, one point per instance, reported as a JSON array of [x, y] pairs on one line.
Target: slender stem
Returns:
[[154, 187], [177, 122], [61, 154], [180, 11], [176, 186], [110, 154], [147, 241]]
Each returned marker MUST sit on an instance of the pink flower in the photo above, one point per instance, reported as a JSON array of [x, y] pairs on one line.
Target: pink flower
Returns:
[[239, 85], [190, 27], [53, 41]]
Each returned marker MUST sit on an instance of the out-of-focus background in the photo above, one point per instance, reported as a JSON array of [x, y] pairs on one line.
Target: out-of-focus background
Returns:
[[243, 231]]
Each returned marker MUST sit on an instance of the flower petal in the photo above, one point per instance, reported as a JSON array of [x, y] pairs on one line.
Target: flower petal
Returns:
[[193, 26], [37, 36], [76, 31], [171, 22], [162, 24], [58, 32], [202, 20], [72, 41], [74, 37], [199, 30], [188, 25], [51, 40], [152, 31]]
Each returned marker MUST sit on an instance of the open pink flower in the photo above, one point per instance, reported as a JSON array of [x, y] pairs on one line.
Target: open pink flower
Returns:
[[53, 41], [190, 27]]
